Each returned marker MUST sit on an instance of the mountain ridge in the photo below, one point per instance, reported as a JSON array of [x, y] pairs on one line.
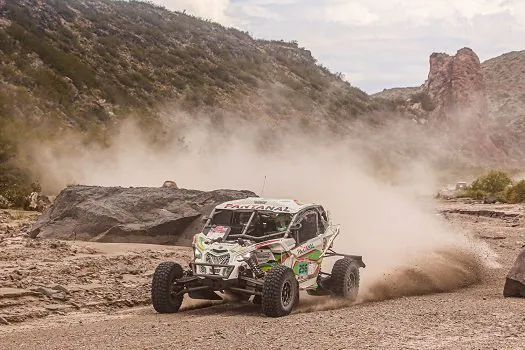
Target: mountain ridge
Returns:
[[86, 66]]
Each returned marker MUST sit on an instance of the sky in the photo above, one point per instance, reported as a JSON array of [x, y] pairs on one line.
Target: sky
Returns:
[[376, 44]]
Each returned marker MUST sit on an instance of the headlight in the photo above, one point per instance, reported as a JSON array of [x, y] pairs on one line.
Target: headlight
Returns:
[[197, 253], [245, 257]]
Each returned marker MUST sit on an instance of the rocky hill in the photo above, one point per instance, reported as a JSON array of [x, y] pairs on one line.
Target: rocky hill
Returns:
[[505, 86], [87, 64], [89, 61], [499, 80], [485, 101]]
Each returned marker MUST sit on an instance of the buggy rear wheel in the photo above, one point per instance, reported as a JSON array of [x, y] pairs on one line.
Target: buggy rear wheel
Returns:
[[280, 292], [344, 282], [163, 289]]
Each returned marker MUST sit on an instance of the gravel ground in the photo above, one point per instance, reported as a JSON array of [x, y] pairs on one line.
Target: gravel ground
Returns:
[[477, 317]]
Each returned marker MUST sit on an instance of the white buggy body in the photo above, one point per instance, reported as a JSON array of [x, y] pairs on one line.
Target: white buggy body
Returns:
[[245, 242]]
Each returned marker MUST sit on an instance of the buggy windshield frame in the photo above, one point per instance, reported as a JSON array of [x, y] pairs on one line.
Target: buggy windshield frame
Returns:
[[250, 225]]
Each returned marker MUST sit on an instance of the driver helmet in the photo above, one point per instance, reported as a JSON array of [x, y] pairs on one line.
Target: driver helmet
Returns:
[[281, 222]]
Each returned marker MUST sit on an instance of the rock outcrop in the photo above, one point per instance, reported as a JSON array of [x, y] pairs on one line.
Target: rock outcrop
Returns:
[[456, 89], [456, 83], [170, 183], [515, 282], [129, 215]]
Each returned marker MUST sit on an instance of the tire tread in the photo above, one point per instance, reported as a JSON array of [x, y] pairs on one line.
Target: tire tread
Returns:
[[339, 271], [163, 276], [271, 291]]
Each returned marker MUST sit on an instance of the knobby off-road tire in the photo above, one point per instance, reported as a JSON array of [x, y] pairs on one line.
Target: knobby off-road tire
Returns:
[[344, 282], [162, 288], [280, 292]]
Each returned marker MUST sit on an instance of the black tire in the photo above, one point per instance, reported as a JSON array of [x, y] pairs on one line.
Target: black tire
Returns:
[[162, 288], [280, 292], [344, 282]]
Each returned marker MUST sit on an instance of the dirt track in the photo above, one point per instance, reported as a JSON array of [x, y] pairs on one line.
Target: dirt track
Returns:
[[106, 309]]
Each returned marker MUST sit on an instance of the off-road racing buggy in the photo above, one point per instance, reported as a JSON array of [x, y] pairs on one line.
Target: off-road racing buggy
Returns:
[[265, 248]]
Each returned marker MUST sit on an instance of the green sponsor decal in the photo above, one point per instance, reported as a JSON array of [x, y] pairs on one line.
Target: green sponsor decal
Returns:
[[266, 266], [315, 255], [301, 268]]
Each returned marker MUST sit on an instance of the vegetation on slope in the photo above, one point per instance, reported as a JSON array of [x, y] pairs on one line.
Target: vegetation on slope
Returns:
[[86, 64]]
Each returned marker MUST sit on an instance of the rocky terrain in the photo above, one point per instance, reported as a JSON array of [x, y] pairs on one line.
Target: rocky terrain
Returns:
[[46, 277], [58, 294], [482, 102], [163, 215]]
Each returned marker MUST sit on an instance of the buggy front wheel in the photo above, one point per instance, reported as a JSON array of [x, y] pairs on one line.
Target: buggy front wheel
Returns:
[[163, 288], [280, 292]]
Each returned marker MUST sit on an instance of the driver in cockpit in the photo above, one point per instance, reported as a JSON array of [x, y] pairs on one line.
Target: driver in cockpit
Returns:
[[282, 221], [252, 230]]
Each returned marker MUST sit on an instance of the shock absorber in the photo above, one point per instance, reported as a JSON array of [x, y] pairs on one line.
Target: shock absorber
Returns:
[[256, 270]]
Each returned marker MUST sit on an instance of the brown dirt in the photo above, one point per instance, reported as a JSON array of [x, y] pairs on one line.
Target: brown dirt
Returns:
[[95, 296]]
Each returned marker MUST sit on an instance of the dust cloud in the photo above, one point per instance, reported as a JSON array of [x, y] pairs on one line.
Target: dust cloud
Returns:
[[386, 216]]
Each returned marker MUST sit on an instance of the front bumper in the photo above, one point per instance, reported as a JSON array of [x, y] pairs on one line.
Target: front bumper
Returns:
[[206, 279], [212, 270]]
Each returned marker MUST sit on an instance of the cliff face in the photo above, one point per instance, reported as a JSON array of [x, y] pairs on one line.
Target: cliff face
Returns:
[[456, 83], [454, 101]]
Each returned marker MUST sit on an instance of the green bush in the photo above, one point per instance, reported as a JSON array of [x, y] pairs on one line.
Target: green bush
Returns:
[[516, 193], [426, 102], [492, 184]]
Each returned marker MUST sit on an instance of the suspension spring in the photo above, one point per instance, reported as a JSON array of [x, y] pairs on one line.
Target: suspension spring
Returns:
[[256, 270]]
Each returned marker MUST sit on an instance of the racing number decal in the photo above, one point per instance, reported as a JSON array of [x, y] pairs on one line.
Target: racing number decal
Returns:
[[302, 268]]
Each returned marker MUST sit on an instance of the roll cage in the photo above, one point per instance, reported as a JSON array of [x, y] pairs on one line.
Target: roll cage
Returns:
[[299, 220]]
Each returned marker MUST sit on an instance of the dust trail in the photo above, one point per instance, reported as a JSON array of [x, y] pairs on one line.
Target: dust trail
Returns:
[[310, 303], [440, 271], [384, 218], [444, 270]]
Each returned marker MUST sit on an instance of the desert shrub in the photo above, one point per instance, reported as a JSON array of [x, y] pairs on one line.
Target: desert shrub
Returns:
[[64, 11], [494, 183], [516, 193], [64, 63], [15, 184], [426, 102], [50, 86]]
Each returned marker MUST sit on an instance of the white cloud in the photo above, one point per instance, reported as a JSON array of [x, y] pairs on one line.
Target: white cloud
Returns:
[[352, 13], [209, 9], [377, 43]]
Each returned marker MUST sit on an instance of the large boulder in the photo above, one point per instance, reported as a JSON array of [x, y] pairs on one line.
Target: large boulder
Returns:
[[515, 283], [157, 215]]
